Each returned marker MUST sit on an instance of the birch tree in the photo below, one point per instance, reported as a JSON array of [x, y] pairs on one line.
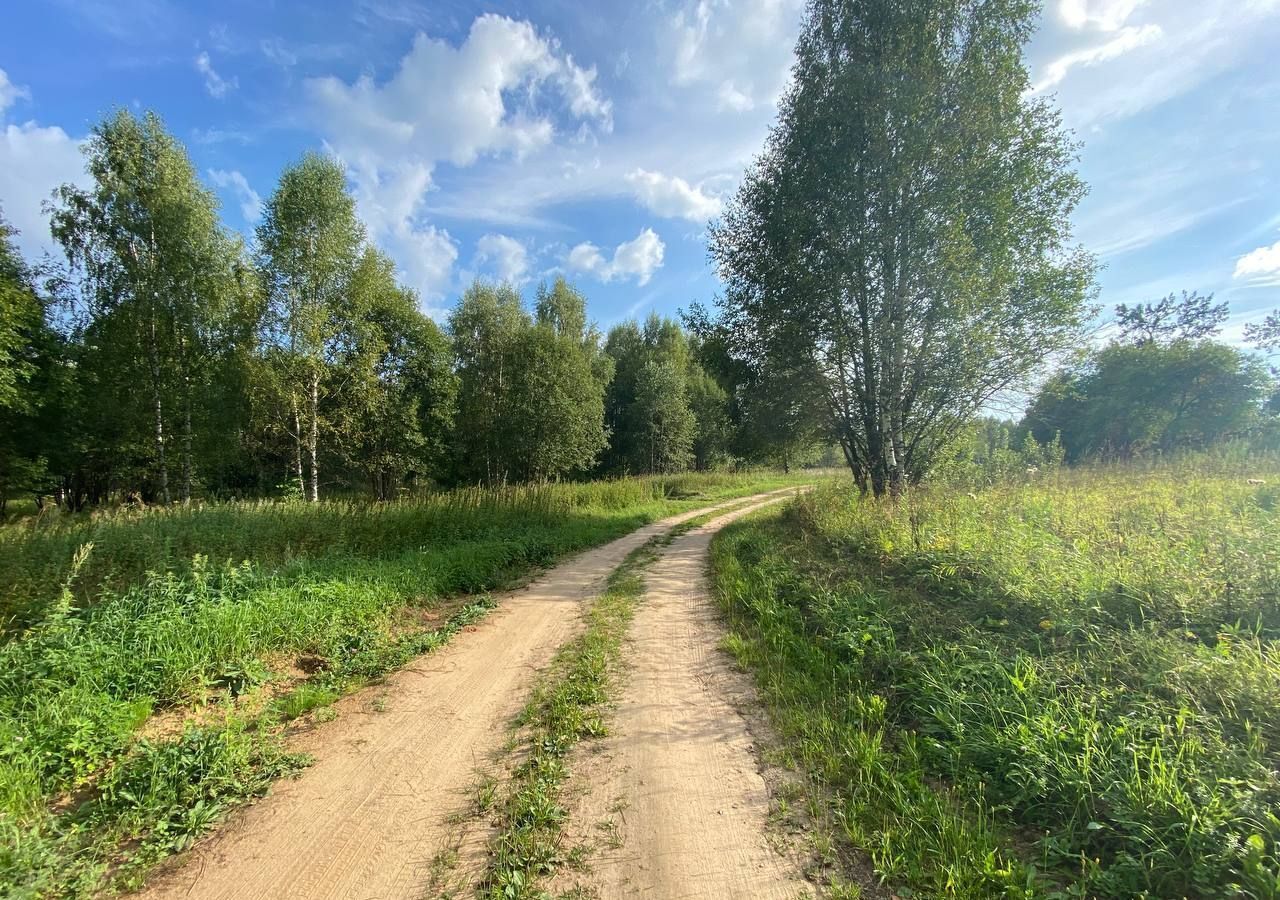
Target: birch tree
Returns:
[[21, 314], [309, 244], [1265, 335], [664, 427], [486, 327], [905, 233], [648, 407], [29, 375], [391, 389], [560, 397], [156, 273]]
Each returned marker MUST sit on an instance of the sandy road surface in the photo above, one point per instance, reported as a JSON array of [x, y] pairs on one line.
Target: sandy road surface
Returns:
[[677, 778], [367, 818]]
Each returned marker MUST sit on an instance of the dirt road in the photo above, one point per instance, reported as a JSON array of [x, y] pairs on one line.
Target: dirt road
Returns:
[[677, 781], [366, 820]]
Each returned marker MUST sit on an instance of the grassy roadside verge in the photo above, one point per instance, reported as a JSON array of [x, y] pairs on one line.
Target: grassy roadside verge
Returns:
[[89, 797], [864, 797], [160, 795], [41, 558], [1057, 689]]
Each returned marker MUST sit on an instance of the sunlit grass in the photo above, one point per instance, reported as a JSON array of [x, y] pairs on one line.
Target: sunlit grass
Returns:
[[568, 705], [132, 614], [36, 551], [1063, 687]]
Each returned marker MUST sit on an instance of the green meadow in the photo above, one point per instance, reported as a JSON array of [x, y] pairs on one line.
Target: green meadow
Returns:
[[1067, 685]]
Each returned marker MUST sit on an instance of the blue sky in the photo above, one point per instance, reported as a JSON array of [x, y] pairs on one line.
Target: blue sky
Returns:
[[516, 140]]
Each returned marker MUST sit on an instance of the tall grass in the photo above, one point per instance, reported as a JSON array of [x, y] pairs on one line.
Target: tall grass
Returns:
[[130, 614], [36, 553], [1067, 687]]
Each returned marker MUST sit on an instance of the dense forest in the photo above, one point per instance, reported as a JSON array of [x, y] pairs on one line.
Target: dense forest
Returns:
[[165, 359]]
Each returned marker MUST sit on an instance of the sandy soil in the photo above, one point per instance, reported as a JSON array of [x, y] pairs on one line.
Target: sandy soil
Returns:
[[366, 820], [675, 796]]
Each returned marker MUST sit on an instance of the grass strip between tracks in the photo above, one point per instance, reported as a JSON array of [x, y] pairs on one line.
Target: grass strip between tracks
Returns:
[[570, 703]]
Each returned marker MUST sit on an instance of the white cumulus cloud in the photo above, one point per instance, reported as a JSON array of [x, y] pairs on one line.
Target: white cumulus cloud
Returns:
[[215, 84], [34, 160], [250, 202], [638, 258], [506, 257], [672, 196], [451, 103], [390, 195], [426, 255], [500, 92], [1262, 264]]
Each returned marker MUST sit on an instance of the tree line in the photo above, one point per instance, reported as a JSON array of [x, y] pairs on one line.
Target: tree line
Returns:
[[165, 359], [1164, 382]]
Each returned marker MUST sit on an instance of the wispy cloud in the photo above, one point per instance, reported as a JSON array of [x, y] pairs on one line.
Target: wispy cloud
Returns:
[[1103, 15], [217, 86], [221, 136], [1112, 59], [10, 93], [250, 201], [1133, 225], [673, 197], [1127, 39]]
